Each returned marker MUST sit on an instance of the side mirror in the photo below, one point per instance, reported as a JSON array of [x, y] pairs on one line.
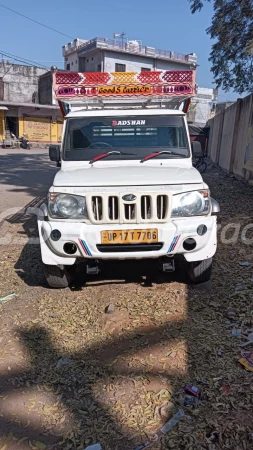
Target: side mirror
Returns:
[[196, 148], [55, 154]]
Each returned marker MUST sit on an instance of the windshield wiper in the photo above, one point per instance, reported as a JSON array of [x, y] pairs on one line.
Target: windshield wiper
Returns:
[[104, 155], [155, 154]]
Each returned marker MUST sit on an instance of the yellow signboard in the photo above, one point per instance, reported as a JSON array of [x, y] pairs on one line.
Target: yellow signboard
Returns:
[[2, 132], [124, 90], [59, 128], [38, 129]]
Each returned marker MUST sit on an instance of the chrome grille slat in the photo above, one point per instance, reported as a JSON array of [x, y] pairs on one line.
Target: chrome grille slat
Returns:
[[113, 208], [161, 207], [97, 207]]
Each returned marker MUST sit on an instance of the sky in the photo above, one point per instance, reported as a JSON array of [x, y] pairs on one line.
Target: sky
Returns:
[[164, 24]]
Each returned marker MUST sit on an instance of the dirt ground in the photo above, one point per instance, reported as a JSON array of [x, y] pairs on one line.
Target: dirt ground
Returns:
[[72, 375]]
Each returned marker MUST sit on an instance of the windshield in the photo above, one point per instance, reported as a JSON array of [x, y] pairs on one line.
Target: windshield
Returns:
[[133, 136]]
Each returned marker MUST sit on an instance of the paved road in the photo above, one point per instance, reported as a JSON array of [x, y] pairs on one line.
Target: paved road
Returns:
[[24, 176]]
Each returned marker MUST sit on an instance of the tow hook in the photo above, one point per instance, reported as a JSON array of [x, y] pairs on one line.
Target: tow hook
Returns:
[[93, 268], [169, 266]]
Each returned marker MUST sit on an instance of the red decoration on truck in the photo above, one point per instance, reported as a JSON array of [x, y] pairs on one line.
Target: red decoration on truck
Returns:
[[72, 85]]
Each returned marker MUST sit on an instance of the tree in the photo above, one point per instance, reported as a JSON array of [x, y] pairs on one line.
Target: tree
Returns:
[[232, 53]]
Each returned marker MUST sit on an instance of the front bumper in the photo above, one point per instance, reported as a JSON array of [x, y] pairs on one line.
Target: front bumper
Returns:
[[87, 237]]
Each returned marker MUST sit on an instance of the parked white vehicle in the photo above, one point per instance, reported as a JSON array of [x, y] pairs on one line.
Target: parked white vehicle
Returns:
[[126, 189]]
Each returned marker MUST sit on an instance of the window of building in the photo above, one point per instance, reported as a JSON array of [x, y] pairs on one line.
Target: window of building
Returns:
[[87, 60], [99, 68], [92, 58], [145, 69], [68, 66], [66, 58], [72, 63], [120, 67]]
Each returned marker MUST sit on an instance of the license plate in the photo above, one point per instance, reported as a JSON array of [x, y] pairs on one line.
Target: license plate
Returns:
[[129, 236]]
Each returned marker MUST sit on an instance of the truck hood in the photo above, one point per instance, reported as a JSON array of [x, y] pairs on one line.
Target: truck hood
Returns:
[[127, 176]]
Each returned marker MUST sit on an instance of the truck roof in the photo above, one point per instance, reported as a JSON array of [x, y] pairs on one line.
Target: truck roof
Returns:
[[124, 112]]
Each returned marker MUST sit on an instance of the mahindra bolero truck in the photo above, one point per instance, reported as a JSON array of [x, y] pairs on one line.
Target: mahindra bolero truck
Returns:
[[126, 187]]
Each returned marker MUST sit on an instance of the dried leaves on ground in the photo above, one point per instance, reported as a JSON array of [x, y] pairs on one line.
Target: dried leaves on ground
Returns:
[[72, 375]]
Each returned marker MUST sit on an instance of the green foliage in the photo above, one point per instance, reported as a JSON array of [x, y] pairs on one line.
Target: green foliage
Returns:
[[232, 52]]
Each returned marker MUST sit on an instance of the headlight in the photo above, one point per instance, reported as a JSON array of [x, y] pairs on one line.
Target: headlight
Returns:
[[66, 206], [196, 203]]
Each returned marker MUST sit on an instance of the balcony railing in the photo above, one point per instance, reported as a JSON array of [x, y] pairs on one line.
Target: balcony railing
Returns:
[[133, 47]]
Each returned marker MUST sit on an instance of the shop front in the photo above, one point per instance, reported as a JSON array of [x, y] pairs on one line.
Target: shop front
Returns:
[[41, 123]]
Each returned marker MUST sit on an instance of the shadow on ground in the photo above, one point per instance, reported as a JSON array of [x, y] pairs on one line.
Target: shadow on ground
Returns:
[[28, 173]]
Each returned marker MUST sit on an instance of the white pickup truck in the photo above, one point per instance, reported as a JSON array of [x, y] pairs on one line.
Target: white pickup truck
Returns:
[[126, 188]]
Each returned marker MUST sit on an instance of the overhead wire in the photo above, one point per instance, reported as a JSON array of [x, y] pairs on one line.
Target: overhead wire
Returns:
[[35, 21], [23, 60]]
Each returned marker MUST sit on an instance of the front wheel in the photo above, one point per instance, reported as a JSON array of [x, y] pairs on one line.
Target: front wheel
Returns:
[[58, 278], [200, 271]]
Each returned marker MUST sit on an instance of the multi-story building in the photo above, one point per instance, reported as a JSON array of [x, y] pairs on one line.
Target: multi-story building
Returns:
[[105, 55], [112, 55], [26, 92], [20, 109]]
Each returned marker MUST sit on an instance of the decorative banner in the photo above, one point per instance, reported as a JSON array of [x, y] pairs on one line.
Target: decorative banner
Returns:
[[72, 85]]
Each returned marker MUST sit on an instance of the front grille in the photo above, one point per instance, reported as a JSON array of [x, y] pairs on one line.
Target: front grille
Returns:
[[146, 208], [127, 248]]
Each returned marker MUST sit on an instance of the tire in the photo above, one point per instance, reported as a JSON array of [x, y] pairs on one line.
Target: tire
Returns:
[[200, 271], [56, 277], [201, 167]]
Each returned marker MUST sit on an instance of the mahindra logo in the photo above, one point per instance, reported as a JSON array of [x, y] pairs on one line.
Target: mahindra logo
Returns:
[[129, 197]]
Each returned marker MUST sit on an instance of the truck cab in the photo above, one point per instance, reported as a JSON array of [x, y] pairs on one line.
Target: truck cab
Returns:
[[126, 188]]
